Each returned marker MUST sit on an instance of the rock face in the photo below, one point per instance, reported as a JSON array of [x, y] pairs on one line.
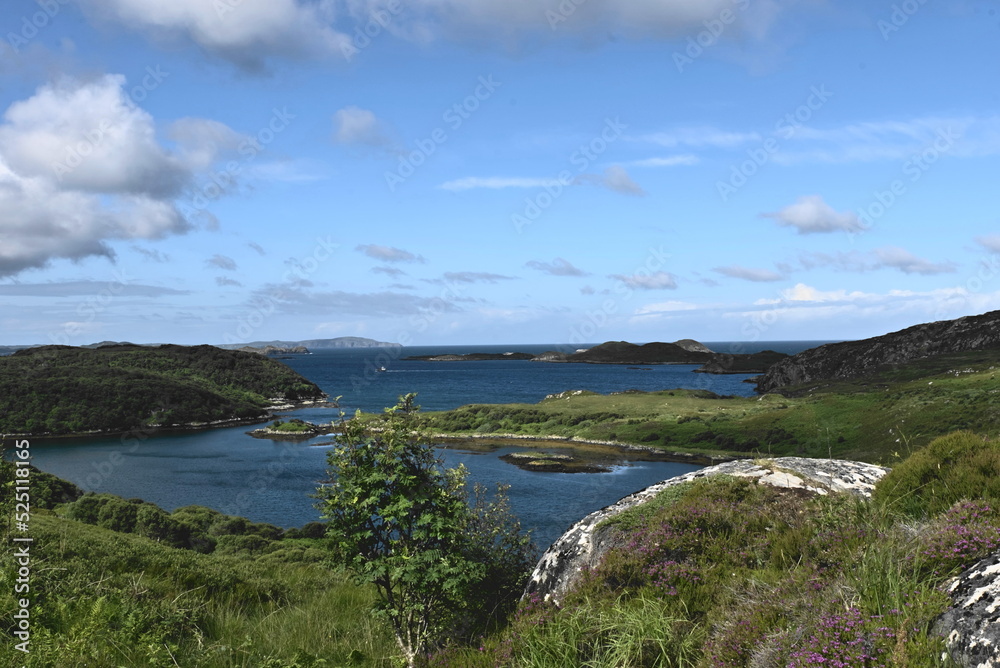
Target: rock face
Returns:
[[972, 626], [585, 544], [852, 359]]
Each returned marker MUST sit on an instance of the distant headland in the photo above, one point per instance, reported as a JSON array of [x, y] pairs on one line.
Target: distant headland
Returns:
[[685, 351]]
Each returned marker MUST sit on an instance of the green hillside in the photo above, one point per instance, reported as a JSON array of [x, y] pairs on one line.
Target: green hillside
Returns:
[[62, 390]]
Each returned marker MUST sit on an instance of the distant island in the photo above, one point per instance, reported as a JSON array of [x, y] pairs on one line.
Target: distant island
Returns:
[[275, 350], [685, 351], [314, 344], [63, 390]]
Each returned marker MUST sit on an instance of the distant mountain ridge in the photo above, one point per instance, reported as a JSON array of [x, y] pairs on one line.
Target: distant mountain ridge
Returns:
[[853, 359]]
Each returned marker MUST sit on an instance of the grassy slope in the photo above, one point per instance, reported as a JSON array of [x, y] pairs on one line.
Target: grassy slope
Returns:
[[868, 419], [62, 390], [104, 598]]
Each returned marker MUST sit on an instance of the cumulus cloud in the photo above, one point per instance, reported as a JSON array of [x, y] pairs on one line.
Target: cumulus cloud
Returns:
[[806, 293], [749, 273], [225, 281], [246, 33], [353, 125], [810, 215], [660, 280], [81, 167], [221, 262], [257, 247], [89, 136], [39, 222], [388, 253], [558, 267]]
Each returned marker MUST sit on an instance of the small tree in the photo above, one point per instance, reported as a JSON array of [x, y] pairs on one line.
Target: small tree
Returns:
[[401, 522]]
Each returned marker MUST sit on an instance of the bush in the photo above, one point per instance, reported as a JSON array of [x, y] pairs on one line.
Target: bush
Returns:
[[960, 466]]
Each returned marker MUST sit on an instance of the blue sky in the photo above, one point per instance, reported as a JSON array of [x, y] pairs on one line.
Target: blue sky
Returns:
[[495, 171]]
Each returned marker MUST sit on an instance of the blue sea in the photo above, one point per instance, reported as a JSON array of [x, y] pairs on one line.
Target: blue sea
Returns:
[[270, 481]]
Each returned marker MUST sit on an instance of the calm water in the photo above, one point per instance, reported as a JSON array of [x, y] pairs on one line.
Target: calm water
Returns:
[[269, 481]]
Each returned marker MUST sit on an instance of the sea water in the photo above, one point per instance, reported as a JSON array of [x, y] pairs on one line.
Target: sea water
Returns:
[[269, 481]]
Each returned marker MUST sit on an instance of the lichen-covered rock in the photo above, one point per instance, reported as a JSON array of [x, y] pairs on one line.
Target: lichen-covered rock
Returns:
[[585, 544], [971, 626]]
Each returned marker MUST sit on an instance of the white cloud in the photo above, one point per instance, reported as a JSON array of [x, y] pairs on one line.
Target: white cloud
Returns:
[[701, 136], [246, 33], [669, 161], [806, 293], [749, 273], [497, 183], [558, 267], [665, 307], [353, 125], [81, 167], [40, 222], [810, 215], [660, 280], [89, 136]]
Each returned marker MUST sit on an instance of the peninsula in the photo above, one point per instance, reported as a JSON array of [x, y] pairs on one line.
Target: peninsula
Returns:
[[63, 390]]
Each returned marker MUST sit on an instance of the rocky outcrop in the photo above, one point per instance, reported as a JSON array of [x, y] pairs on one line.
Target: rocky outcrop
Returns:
[[853, 359], [587, 541], [693, 346], [971, 627]]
